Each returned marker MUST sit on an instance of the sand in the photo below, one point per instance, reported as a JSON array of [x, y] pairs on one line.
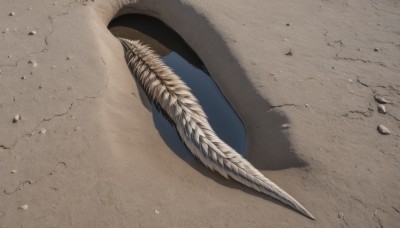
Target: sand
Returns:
[[311, 117]]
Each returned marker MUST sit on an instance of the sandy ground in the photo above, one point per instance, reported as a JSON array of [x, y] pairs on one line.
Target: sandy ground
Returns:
[[100, 162]]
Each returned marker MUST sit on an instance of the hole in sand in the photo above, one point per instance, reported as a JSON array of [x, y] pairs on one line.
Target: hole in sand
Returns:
[[186, 64]]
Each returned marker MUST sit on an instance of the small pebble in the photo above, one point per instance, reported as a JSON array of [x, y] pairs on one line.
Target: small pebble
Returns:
[[307, 105], [68, 57], [9, 56], [340, 215], [24, 207], [285, 125], [156, 211], [31, 33], [383, 130], [14, 171], [381, 100], [40, 87], [381, 108], [33, 63], [77, 129], [376, 49], [23, 77], [42, 131], [351, 91], [11, 14], [287, 24], [350, 80], [16, 118], [289, 53], [6, 30], [53, 67]]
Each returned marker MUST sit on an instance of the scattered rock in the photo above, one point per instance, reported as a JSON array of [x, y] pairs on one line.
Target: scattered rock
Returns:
[[33, 63], [307, 105], [53, 67], [31, 33], [340, 215], [382, 108], [42, 131], [11, 14], [383, 130], [350, 80], [382, 100], [9, 56], [286, 125], [14, 171], [376, 50], [6, 30], [68, 57], [288, 24], [40, 87], [289, 53], [23, 77], [77, 129], [17, 118], [24, 207], [156, 211]]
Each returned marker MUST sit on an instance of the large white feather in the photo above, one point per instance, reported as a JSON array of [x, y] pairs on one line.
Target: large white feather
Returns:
[[176, 99]]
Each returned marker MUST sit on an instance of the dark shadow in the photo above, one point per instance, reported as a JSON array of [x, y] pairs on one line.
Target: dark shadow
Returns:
[[269, 147], [154, 33]]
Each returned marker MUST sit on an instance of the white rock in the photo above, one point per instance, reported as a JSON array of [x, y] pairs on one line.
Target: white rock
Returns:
[[285, 125], [16, 118], [382, 100], [42, 131], [156, 211], [24, 207], [33, 63], [14, 171], [382, 108], [383, 130]]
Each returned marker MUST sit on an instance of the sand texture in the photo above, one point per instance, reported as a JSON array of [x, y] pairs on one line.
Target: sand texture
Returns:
[[79, 147]]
